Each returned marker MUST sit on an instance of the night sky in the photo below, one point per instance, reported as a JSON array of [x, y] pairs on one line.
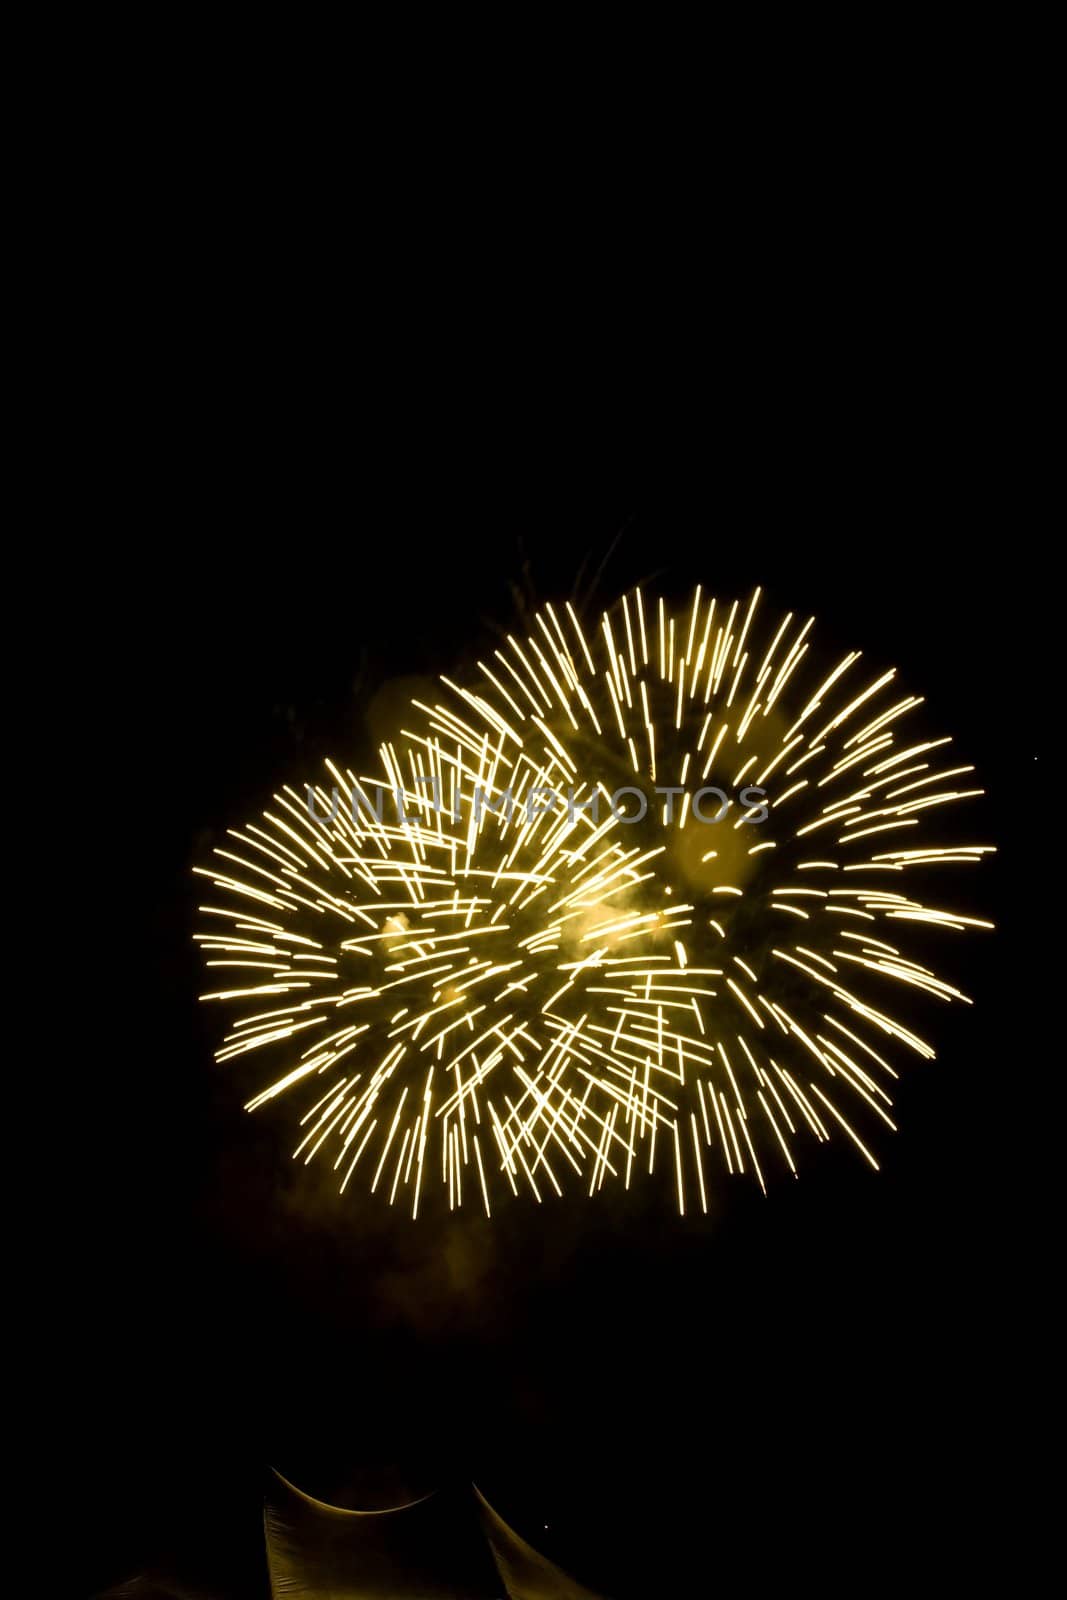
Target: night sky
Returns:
[[808, 1389]]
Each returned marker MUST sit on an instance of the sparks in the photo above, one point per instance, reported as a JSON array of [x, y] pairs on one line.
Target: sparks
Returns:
[[502, 982]]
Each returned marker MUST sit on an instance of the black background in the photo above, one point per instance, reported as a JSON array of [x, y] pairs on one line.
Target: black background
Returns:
[[820, 1387]]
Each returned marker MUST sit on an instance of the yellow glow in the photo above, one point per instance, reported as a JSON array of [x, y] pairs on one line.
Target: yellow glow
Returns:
[[485, 999]]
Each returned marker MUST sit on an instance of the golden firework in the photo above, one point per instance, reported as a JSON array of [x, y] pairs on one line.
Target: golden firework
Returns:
[[529, 949]]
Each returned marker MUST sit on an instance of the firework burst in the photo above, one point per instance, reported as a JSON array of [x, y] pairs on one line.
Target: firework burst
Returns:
[[532, 950]]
